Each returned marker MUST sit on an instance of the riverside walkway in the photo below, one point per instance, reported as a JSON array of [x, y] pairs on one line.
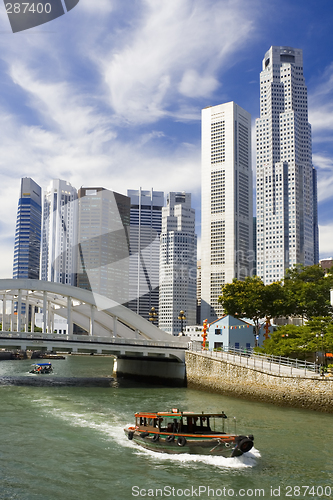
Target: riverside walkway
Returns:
[[274, 365]]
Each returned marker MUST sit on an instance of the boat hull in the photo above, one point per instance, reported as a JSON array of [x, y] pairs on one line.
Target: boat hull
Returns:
[[177, 444]]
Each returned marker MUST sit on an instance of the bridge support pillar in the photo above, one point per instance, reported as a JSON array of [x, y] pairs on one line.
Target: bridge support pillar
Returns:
[[27, 314], [49, 318], [44, 312], [12, 316], [115, 326], [166, 372], [19, 311], [32, 328], [92, 319], [4, 303], [69, 316]]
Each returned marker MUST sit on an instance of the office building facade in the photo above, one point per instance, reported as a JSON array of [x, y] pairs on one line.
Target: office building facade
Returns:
[[59, 233], [287, 225], [226, 202], [145, 231], [28, 231], [103, 242], [178, 264]]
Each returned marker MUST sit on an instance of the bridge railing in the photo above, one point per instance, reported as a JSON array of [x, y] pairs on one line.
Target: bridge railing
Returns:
[[267, 362], [91, 339]]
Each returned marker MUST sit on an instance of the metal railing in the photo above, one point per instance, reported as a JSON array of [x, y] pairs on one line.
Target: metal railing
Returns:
[[92, 339], [266, 362]]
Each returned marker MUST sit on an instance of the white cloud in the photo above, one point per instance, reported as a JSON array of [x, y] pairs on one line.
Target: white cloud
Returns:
[[100, 7], [321, 103], [195, 85], [177, 46], [326, 241], [324, 164]]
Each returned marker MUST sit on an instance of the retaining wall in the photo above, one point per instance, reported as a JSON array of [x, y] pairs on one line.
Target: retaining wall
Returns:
[[227, 378]]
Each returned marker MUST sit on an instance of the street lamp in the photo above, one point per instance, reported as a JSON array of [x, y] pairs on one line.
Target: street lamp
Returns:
[[152, 315], [182, 318]]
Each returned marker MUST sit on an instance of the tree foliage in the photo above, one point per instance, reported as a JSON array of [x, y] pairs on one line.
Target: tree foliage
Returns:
[[307, 292], [252, 299], [300, 341]]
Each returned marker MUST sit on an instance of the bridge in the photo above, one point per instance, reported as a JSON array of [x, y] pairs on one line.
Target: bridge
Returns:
[[106, 327]]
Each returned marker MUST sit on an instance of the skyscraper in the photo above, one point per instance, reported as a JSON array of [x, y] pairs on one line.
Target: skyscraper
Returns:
[[103, 242], [227, 213], [28, 231], [178, 264], [145, 230], [287, 226], [59, 234]]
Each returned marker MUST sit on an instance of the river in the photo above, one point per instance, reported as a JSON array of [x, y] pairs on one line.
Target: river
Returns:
[[62, 439]]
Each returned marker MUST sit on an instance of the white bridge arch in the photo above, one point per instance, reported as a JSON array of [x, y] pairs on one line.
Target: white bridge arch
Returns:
[[108, 326]]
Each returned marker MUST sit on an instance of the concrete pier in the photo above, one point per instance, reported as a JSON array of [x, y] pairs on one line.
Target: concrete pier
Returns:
[[158, 371]]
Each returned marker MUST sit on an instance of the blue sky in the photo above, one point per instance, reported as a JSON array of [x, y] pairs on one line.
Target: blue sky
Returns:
[[111, 93]]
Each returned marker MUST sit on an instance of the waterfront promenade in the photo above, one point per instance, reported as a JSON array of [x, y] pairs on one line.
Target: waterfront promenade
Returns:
[[256, 378], [277, 365]]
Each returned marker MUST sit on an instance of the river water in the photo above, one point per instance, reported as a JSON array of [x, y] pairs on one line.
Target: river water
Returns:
[[62, 438]]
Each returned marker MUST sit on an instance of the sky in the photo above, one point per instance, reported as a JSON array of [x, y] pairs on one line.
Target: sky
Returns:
[[110, 94]]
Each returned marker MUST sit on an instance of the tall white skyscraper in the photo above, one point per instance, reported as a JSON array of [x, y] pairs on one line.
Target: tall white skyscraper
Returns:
[[227, 207], [178, 264], [145, 230], [59, 233], [287, 226]]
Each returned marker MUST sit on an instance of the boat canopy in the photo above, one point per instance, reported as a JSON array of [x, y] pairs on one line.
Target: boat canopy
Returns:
[[178, 414]]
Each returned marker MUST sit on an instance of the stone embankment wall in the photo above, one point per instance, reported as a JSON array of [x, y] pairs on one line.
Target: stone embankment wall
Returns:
[[224, 377]]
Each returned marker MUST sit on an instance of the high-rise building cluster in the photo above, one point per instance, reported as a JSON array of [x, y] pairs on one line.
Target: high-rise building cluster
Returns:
[[142, 252]]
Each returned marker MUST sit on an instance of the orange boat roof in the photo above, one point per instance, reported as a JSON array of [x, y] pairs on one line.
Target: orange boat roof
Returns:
[[178, 414]]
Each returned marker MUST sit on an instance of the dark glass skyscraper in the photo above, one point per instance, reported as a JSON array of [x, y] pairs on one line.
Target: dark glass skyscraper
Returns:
[[103, 242], [28, 231], [145, 230]]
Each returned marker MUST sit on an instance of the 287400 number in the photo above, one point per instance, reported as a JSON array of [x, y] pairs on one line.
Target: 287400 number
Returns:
[[302, 491], [17, 8]]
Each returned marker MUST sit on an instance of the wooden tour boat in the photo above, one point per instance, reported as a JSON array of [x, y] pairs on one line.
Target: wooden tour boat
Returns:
[[41, 368], [187, 432]]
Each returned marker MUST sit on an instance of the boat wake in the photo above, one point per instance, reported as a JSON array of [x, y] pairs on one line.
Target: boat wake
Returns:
[[245, 461], [91, 420]]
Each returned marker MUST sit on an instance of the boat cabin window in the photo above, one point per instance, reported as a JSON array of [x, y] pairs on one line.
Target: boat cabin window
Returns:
[[197, 424], [172, 425], [148, 422]]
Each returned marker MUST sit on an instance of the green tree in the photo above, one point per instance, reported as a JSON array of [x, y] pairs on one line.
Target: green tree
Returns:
[[252, 299], [301, 341], [290, 341], [307, 291]]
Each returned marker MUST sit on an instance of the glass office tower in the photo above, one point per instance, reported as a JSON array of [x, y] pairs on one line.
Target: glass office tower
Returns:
[[28, 231]]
